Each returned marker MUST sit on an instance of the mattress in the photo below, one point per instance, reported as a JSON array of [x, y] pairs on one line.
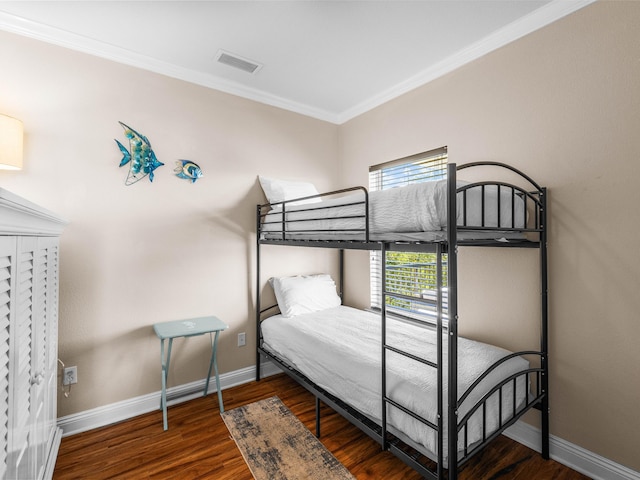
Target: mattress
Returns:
[[339, 350], [420, 207]]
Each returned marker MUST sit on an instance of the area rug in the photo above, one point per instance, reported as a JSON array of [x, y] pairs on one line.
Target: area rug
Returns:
[[277, 446]]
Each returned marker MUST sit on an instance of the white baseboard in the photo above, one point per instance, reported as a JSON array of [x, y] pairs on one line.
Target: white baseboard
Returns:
[[119, 411], [573, 456]]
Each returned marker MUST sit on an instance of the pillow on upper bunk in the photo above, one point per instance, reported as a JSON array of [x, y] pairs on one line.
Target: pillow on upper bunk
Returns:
[[281, 190], [304, 294]]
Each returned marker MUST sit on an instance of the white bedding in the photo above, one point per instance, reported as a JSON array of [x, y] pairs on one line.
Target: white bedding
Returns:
[[339, 350], [420, 207]]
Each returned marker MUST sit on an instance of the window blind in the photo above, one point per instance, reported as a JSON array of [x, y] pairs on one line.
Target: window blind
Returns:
[[423, 167], [407, 273]]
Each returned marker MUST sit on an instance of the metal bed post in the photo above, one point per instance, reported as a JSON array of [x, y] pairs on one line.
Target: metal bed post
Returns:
[[383, 321], [341, 274], [544, 330], [258, 293], [440, 466], [317, 417], [452, 276]]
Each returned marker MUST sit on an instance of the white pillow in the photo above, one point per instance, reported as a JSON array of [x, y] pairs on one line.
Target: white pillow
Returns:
[[304, 294], [281, 190]]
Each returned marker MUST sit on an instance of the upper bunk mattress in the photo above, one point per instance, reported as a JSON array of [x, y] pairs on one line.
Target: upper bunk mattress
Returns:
[[420, 207], [339, 350]]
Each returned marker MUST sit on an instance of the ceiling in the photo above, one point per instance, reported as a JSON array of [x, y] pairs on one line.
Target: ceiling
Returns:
[[331, 60]]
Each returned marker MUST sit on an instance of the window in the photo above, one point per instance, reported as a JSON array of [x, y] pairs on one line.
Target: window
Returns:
[[407, 273]]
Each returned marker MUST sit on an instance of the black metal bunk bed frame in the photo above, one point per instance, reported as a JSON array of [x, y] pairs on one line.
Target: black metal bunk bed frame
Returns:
[[537, 226]]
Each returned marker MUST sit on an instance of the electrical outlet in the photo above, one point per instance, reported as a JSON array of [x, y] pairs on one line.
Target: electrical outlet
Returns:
[[70, 376], [242, 339]]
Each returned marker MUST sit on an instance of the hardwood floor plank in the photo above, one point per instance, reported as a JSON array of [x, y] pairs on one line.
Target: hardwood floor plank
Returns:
[[198, 445]]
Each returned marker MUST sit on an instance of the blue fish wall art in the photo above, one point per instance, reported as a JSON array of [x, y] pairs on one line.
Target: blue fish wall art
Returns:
[[141, 157], [188, 170]]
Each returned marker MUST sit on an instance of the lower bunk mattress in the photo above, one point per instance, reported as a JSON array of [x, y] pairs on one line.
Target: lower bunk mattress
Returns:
[[339, 349]]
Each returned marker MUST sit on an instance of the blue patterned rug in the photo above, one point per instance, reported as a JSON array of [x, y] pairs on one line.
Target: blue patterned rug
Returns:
[[277, 446]]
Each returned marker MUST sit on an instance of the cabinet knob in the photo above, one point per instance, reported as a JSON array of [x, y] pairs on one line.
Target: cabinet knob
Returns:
[[37, 380]]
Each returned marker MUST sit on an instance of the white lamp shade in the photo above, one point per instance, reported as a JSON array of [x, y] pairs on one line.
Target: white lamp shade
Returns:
[[11, 133]]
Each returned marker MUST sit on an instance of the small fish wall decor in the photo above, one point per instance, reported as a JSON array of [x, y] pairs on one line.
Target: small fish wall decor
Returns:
[[188, 170], [140, 156]]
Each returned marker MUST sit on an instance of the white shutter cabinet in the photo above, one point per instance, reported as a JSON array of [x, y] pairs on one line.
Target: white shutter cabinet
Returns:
[[29, 260]]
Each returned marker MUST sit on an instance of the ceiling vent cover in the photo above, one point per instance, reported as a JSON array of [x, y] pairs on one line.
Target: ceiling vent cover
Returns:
[[238, 62]]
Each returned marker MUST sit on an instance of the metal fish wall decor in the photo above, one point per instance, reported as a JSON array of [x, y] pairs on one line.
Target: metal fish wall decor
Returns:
[[188, 170], [141, 157]]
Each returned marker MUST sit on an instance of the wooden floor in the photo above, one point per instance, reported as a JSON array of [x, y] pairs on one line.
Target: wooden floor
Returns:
[[198, 446]]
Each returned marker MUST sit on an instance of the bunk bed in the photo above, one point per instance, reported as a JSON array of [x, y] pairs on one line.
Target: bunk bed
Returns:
[[432, 398]]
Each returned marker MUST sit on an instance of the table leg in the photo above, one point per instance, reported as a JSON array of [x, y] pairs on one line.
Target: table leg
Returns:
[[165, 376], [214, 363]]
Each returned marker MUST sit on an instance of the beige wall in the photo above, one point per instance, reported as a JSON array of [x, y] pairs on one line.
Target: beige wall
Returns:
[[562, 104], [135, 255]]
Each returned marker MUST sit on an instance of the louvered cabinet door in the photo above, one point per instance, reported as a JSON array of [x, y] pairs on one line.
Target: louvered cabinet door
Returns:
[[7, 266], [45, 353], [22, 455]]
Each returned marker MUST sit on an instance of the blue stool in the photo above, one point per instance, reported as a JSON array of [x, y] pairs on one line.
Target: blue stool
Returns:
[[188, 328]]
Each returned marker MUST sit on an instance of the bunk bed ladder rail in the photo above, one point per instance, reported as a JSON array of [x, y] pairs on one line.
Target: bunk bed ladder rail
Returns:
[[383, 319], [452, 337], [439, 349], [450, 247], [408, 457]]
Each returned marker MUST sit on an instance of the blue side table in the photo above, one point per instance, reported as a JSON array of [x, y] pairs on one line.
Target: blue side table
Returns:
[[188, 328]]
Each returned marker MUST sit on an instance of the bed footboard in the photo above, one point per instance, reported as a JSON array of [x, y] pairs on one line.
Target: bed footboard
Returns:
[[511, 407]]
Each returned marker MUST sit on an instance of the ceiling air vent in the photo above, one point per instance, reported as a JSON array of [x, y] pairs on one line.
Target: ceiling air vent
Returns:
[[236, 61]]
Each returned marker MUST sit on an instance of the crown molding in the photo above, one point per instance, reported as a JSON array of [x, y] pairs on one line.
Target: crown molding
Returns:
[[45, 33], [551, 12], [542, 17]]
